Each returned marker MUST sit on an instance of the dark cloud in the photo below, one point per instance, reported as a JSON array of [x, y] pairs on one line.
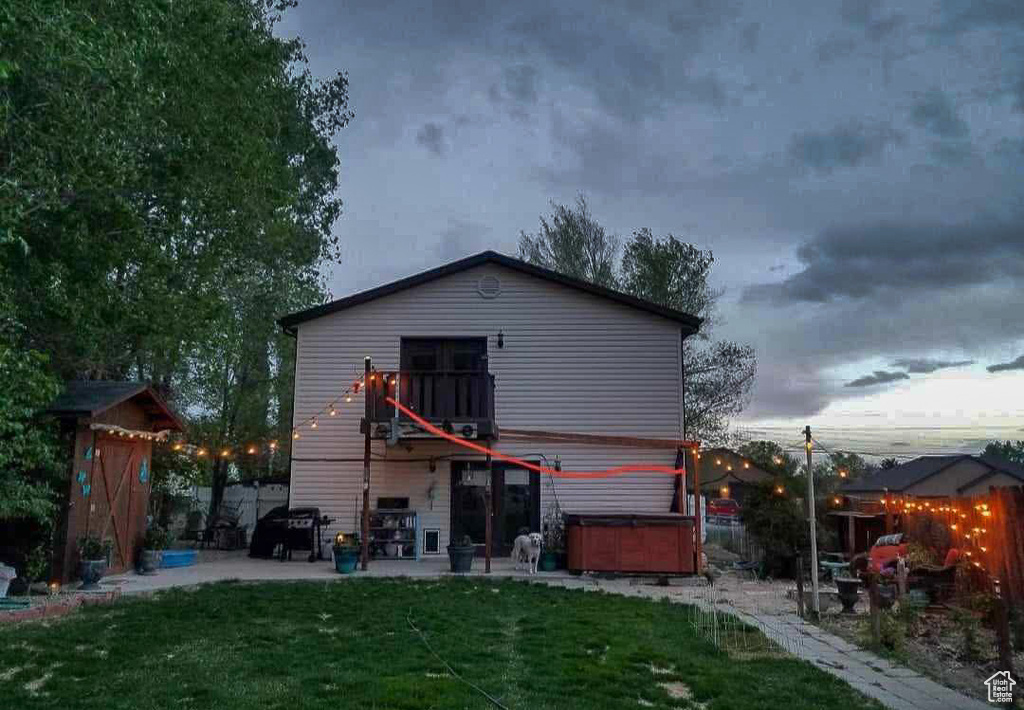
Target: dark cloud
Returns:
[[521, 83], [937, 112], [869, 15], [878, 377], [846, 145], [860, 262], [750, 37], [1017, 364], [836, 47], [923, 365], [431, 137]]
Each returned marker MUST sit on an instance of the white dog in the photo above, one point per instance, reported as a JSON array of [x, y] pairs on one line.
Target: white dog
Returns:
[[526, 548]]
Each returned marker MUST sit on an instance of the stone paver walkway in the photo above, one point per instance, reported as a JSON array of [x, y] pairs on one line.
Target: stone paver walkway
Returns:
[[760, 604]]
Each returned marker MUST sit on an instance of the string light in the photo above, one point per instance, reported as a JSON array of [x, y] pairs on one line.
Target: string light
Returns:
[[252, 449], [295, 435], [273, 445], [314, 424], [225, 453]]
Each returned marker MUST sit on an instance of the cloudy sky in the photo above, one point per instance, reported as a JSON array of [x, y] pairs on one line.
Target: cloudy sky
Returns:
[[855, 166]]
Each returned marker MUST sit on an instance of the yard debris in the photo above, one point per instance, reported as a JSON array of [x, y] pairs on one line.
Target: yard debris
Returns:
[[34, 686], [10, 673]]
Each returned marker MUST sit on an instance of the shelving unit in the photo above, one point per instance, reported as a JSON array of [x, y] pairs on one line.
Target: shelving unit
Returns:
[[394, 534]]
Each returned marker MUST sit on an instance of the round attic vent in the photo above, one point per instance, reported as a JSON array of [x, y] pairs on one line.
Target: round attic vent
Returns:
[[489, 286]]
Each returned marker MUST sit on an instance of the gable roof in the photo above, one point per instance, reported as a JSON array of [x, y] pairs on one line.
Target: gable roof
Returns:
[[689, 322], [88, 398], [913, 472]]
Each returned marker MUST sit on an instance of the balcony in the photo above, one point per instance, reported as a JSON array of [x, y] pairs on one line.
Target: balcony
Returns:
[[459, 402]]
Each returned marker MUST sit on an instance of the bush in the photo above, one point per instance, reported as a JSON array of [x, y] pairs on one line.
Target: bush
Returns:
[[894, 632], [157, 538], [90, 547], [970, 643], [1017, 628]]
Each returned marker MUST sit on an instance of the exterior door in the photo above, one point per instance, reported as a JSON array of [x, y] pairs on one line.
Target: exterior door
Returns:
[[515, 503], [120, 499]]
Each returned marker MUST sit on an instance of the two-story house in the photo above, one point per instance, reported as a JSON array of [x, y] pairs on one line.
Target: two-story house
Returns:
[[481, 346]]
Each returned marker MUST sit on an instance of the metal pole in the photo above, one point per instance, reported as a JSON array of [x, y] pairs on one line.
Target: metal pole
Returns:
[[489, 503], [698, 545], [814, 527], [368, 394]]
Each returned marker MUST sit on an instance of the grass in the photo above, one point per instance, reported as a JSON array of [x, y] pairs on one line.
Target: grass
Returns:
[[350, 645]]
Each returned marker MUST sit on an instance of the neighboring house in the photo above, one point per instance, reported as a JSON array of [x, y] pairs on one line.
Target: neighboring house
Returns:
[[486, 345], [725, 473], [954, 476]]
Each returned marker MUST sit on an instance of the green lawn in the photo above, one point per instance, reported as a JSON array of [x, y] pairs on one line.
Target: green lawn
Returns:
[[349, 645]]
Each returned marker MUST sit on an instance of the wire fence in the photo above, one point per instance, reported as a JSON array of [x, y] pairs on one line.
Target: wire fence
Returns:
[[756, 618]]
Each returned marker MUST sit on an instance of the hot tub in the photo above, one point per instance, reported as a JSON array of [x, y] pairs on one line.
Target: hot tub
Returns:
[[178, 558], [618, 542]]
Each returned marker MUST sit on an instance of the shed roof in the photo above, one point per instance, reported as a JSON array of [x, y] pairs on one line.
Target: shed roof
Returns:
[[913, 472], [89, 398], [690, 322]]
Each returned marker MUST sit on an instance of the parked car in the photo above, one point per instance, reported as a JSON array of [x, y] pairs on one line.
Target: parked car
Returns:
[[723, 508]]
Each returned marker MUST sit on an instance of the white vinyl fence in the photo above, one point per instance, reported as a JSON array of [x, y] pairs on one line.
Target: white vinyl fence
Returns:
[[253, 501]]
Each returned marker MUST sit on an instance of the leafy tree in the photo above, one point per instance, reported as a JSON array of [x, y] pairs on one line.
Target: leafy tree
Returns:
[[888, 463], [573, 243], [1009, 450], [28, 448], [669, 272], [770, 457], [169, 170], [719, 375]]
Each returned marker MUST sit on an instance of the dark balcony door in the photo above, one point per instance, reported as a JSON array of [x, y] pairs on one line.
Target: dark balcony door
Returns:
[[516, 503], [450, 355]]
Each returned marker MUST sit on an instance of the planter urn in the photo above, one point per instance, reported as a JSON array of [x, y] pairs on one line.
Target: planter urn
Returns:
[[346, 558], [90, 572], [548, 561], [150, 561], [461, 557], [848, 587]]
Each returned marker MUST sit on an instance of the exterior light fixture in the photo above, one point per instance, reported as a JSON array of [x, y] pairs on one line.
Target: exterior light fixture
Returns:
[[501, 340]]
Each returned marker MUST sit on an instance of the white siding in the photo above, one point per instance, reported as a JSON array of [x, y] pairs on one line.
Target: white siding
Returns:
[[572, 362]]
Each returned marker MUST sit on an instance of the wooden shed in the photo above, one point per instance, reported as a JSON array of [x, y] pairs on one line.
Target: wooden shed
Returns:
[[110, 428]]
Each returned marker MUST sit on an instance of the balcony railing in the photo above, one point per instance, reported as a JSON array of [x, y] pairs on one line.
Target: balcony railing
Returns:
[[452, 400]]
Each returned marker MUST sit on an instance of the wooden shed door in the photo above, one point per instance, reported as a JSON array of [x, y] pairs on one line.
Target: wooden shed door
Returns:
[[117, 493]]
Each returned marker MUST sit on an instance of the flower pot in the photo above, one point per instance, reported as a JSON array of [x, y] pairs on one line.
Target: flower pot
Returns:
[[548, 561], [149, 561], [346, 559], [848, 595], [90, 572], [461, 557]]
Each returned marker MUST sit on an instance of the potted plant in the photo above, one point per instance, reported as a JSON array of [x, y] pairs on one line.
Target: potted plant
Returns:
[[346, 552], [92, 560], [155, 541], [461, 554], [553, 551]]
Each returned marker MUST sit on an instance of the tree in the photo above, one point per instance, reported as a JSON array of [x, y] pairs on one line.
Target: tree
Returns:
[[888, 463], [771, 457], [573, 243], [169, 170], [1009, 450], [28, 447], [718, 375]]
